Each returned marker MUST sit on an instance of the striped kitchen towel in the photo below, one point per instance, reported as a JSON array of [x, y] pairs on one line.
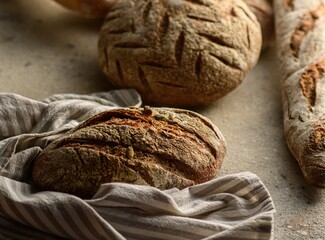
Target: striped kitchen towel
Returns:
[[237, 206]]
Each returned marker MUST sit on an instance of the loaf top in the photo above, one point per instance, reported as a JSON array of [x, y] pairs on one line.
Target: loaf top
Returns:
[[179, 53], [161, 147]]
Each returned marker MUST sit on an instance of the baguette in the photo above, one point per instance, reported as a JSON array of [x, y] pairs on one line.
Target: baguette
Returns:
[[300, 32]]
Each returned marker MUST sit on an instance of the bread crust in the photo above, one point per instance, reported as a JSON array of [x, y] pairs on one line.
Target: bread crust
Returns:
[[300, 29], [161, 147], [263, 10], [179, 53]]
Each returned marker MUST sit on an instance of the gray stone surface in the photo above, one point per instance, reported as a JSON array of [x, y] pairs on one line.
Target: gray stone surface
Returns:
[[45, 49]]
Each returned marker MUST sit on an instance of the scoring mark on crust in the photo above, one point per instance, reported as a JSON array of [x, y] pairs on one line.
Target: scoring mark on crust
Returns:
[[215, 39], [113, 14], [173, 85], [154, 64], [249, 42], [119, 70], [198, 66], [146, 11], [163, 26], [130, 45], [179, 47], [197, 2], [307, 24], [288, 106], [225, 61], [200, 18], [308, 82], [245, 13], [317, 137], [143, 79], [106, 59], [133, 29]]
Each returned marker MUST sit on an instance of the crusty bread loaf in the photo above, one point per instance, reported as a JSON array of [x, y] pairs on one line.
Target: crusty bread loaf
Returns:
[[179, 53], [161, 147], [300, 32]]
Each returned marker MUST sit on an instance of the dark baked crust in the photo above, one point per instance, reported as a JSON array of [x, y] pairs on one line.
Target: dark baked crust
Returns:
[[179, 53], [160, 147]]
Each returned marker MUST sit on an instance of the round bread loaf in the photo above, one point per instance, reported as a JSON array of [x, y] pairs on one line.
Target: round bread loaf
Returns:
[[179, 52], [161, 147]]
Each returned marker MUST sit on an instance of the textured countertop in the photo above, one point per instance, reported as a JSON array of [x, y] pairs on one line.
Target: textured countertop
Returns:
[[45, 49]]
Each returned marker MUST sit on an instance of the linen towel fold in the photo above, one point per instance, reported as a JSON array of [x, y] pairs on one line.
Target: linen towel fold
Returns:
[[237, 206]]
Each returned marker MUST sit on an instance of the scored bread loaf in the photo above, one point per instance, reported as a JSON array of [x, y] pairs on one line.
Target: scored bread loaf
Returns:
[[179, 53], [300, 32], [161, 147]]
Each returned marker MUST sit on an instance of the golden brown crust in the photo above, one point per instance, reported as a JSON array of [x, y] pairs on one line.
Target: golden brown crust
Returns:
[[179, 53], [308, 82], [160, 147]]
